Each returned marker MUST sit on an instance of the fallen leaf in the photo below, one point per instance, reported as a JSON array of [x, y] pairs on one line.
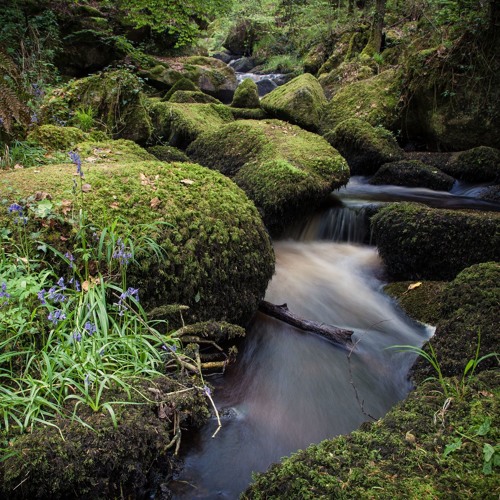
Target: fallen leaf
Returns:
[[66, 206], [414, 285], [486, 394], [41, 195], [91, 159], [187, 182], [155, 202], [86, 188], [18, 165], [115, 205]]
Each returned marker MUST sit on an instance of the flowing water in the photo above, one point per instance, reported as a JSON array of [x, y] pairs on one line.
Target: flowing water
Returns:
[[288, 388]]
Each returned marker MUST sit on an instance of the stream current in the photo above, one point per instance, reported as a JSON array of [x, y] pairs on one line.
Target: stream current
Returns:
[[288, 388]]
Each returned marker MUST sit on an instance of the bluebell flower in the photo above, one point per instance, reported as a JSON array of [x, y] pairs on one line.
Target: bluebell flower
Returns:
[[90, 328], [4, 294], [75, 158], [56, 316], [77, 336], [121, 254], [15, 208], [34, 118], [71, 259], [41, 296]]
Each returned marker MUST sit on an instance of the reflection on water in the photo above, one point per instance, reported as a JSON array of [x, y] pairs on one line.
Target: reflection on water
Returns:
[[289, 388]]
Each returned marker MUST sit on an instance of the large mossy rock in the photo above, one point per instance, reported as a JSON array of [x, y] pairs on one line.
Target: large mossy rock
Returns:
[[412, 173], [285, 170], [375, 100], [219, 257], [193, 97], [469, 323], [364, 147], [243, 35], [246, 95], [418, 242], [55, 138], [481, 164], [114, 98], [207, 73], [345, 74], [181, 123], [103, 461], [300, 101], [389, 458]]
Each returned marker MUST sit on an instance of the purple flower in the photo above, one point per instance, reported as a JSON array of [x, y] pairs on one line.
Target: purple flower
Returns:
[[15, 208], [75, 158], [4, 294], [121, 253], [56, 296], [34, 118], [77, 336], [90, 328], [61, 284], [41, 297], [130, 293], [56, 316], [71, 259], [207, 390]]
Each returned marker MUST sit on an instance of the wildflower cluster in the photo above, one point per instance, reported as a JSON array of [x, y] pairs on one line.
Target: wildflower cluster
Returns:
[[75, 158], [121, 304], [17, 211], [121, 253], [4, 294]]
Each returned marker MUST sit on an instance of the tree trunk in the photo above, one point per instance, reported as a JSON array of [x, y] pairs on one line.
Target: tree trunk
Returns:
[[375, 42], [334, 334]]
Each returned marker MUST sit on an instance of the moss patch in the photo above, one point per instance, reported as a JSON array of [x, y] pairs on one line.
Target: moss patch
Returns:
[[481, 164], [167, 153], [193, 96], [246, 95], [412, 173], [54, 138], [418, 242], [179, 123], [181, 84], [219, 257], [300, 101], [375, 100], [283, 168], [391, 458], [363, 146]]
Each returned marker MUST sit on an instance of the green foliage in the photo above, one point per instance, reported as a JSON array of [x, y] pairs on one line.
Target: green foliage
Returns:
[[84, 118], [179, 18]]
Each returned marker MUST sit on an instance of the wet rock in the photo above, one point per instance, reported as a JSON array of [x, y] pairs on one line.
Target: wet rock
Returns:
[[265, 86], [481, 164], [243, 65]]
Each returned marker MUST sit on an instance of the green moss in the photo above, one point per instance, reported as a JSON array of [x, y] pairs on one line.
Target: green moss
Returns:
[[345, 74], [56, 138], [469, 319], [412, 173], [418, 242], [422, 303], [107, 462], [399, 456], [249, 114], [191, 97], [375, 100], [481, 164], [363, 146], [246, 95], [115, 97], [219, 257], [179, 123], [181, 84], [300, 101], [284, 169], [168, 153]]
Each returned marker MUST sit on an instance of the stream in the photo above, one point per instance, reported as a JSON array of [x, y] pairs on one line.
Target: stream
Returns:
[[288, 388]]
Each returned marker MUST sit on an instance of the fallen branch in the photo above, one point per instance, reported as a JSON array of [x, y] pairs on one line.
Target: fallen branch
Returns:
[[334, 334]]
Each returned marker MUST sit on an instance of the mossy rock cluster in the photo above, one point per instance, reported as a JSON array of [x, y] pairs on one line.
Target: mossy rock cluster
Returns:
[[208, 74], [181, 123], [115, 99], [219, 257], [181, 84], [412, 173], [364, 147], [285, 170], [418, 242], [481, 164], [105, 461], [389, 458], [469, 323], [375, 100], [300, 101], [345, 74], [246, 95], [55, 138]]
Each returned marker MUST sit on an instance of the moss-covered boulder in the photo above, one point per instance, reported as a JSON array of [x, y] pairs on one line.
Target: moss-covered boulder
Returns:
[[375, 100], [246, 95], [243, 35], [114, 99], [103, 461], [209, 75], [248, 113], [418, 242], [285, 170], [192, 97], [418, 450], [469, 323], [181, 123], [345, 74], [300, 101], [218, 255], [481, 164], [412, 173], [56, 138], [364, 147], [181, 84], [168, 153]]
